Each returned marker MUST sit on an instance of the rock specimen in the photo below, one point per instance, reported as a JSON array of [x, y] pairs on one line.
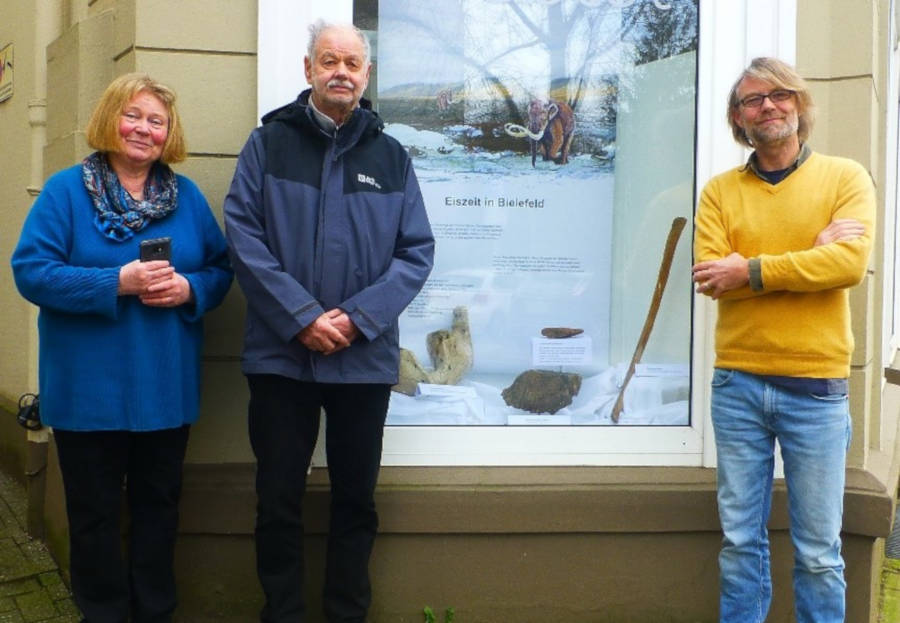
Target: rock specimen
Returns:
[[557, 333], [542, 391], [451, 356]]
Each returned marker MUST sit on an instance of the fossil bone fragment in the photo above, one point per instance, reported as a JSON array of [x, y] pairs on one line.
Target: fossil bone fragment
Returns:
[[451, 356], [557, 333]]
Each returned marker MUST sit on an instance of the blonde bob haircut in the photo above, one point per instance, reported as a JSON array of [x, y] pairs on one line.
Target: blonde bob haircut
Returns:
[[782, 76], [102, 130]]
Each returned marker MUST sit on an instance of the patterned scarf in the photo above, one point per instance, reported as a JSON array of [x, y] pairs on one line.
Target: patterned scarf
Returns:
[[119, 215]]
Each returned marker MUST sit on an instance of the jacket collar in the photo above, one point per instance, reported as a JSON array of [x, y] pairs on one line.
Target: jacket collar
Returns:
[[362, 123]]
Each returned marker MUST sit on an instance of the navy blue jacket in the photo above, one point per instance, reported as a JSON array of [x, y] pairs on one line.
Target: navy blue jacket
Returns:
[[315, 222]]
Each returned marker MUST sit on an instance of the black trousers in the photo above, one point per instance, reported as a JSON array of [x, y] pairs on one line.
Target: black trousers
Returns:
[[284, 424], [96, 467]]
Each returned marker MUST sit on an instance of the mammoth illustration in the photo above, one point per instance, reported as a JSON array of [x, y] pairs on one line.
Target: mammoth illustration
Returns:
[[444, 99], [552, 126]]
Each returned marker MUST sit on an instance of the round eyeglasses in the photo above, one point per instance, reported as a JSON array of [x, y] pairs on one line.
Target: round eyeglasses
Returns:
[[756, 100]]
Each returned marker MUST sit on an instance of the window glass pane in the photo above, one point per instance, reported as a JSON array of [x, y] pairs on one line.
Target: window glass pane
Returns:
[[554, 144]]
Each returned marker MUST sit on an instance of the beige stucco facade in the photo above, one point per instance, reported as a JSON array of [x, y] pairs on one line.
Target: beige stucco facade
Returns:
[[604, 544]]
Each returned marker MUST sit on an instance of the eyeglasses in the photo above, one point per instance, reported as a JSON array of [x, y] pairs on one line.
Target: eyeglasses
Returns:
[[756, 100]]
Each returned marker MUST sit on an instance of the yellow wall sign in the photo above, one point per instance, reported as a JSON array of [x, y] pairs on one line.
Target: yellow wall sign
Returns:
[[6, 73]]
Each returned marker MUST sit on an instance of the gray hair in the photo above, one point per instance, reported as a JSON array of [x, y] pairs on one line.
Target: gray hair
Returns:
[[319, 26]]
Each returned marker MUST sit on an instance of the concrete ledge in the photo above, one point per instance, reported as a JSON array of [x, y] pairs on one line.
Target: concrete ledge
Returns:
[[220, 499]]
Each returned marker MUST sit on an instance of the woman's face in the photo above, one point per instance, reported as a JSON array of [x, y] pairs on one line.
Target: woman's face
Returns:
[[143, 128]]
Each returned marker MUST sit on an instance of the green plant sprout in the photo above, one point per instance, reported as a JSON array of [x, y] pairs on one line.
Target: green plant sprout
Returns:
[[430, 618]]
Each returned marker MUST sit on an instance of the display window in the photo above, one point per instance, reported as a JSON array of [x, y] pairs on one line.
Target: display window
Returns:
[[556, 146]]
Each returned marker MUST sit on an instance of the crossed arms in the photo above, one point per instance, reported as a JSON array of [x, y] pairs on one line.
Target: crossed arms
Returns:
[[732, 272], [750, 241]]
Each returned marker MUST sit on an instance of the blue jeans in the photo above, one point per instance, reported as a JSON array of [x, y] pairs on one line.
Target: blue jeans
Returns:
[[814, 432]]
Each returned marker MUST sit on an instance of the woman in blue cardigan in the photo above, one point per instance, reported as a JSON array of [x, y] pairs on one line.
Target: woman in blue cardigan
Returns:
[[121, 340]]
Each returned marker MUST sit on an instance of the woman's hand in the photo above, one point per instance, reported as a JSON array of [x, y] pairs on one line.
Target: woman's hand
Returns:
[[137, 277], [169, 293], [156, 283]]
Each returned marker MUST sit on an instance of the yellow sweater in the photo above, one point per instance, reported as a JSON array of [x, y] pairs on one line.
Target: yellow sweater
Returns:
[[799, 324]]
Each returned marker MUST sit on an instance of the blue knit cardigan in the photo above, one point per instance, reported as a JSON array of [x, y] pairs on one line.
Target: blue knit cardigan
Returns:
[[109, 362]]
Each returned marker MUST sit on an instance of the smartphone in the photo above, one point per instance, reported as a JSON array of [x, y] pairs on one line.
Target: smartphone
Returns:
[[156, 249]]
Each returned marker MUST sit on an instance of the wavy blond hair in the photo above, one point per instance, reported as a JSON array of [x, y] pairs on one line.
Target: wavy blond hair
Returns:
[[102, 131]]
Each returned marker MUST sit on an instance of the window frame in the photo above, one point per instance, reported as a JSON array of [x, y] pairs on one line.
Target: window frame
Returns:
[[891, 226]]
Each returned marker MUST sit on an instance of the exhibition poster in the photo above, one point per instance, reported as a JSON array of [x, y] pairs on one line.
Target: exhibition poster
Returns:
[[511, 111]]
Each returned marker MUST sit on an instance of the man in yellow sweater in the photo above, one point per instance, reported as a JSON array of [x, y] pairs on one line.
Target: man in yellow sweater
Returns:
[[778, 243]]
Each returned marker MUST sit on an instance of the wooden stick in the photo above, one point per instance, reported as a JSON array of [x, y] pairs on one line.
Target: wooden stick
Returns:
[[661, 280]]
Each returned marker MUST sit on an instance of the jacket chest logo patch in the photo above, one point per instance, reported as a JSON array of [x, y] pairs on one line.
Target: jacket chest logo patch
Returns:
[[362, 178]]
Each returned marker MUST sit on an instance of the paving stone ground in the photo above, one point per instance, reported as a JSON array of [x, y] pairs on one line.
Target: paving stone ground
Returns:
[[31, 589]]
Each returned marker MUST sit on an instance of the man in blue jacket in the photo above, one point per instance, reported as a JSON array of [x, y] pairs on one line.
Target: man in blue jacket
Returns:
[[330, 242]]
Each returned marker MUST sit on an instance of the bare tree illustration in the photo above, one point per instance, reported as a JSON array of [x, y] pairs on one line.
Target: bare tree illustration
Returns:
[[573, 37]]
